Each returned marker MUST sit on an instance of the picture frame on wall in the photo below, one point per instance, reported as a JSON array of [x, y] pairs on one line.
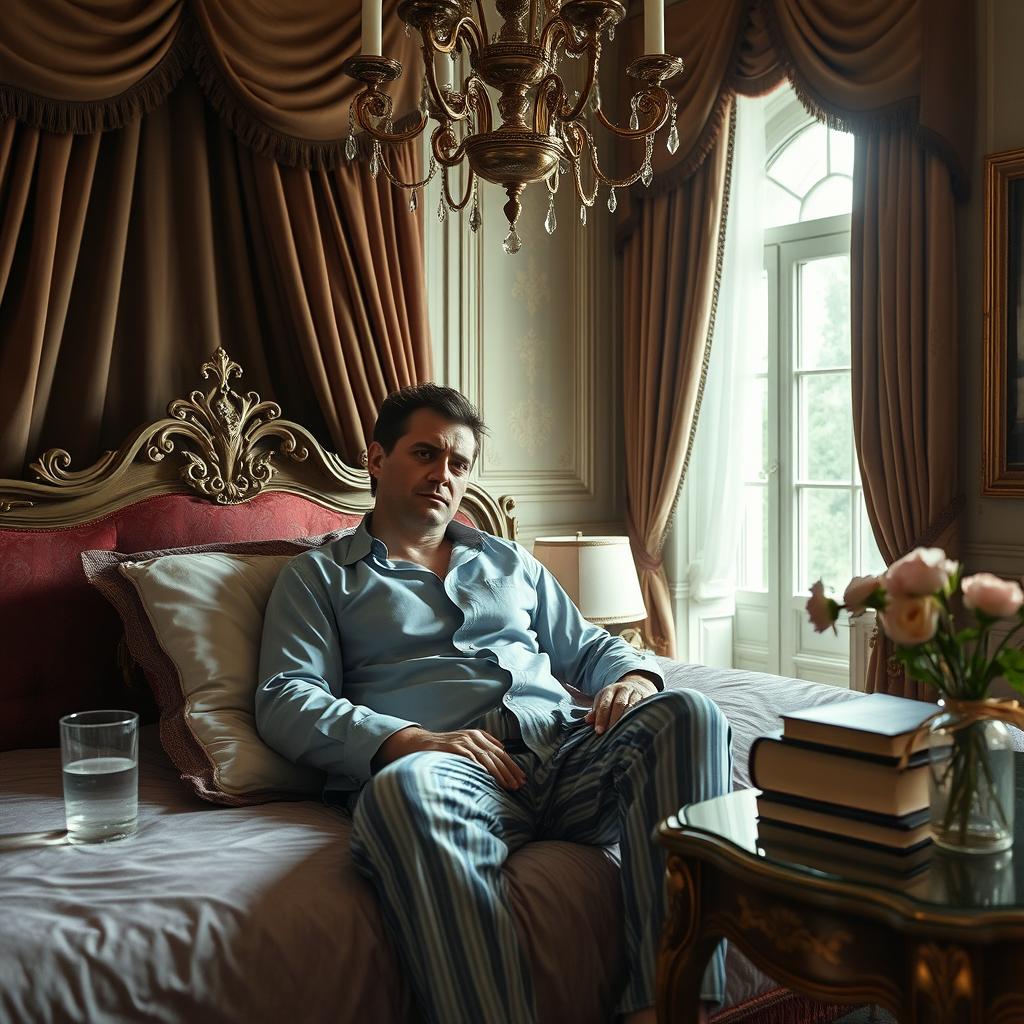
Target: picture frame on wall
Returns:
[[1003, 429]]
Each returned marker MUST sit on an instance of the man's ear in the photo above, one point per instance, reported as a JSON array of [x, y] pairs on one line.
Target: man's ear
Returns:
[[375, 456]]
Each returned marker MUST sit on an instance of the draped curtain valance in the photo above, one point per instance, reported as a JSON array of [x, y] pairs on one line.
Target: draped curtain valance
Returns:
[[857, 65], [272, 71]]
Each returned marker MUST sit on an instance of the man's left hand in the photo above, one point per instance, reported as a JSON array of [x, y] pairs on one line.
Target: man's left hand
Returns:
[[612, 702]]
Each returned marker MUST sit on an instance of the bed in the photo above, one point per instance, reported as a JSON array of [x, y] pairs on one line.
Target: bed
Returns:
[[236, 900]]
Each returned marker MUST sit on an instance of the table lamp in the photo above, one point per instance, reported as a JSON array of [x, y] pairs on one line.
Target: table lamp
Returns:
[[599, 575]]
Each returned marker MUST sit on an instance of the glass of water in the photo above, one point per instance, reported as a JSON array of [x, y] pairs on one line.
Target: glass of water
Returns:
[[100, 756]]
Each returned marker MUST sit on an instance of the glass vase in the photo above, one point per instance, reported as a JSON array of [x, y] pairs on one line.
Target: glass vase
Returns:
[[971, 786]]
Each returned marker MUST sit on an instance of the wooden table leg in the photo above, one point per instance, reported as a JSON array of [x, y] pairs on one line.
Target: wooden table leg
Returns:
[[685, 952]]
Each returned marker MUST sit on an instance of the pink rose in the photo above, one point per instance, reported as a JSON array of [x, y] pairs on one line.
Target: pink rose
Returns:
[[910, 621], [822, 610], [857, 593], [991, 595], [924, 571]]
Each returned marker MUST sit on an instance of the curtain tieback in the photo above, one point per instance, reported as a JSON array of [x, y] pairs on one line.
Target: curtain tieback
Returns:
[[646, 562]]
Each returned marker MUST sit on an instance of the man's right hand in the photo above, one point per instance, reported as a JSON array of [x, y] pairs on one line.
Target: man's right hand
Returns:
[[475, 744]]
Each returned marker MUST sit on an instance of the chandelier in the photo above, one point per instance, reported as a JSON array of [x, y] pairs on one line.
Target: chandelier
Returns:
[[544, 133]]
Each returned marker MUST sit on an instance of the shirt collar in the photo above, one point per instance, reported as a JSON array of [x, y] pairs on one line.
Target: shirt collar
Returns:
[[362, 542]]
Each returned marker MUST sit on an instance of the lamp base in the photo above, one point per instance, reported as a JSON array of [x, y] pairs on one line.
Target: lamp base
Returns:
[[635, 638]]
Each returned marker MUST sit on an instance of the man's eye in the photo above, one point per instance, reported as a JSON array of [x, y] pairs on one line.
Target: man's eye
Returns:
[[422, 454]]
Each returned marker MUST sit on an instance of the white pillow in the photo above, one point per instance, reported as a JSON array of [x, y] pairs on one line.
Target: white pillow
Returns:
[[206, 611]]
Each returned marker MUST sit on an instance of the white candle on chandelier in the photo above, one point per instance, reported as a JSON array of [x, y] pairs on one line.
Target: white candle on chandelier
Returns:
[[654, 26], [372, 15], [443, 70]]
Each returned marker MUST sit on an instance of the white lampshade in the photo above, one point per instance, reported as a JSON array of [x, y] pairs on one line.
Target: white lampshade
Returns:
[[597, 573]]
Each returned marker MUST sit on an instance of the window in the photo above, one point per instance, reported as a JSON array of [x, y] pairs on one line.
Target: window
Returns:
[[803, 506]]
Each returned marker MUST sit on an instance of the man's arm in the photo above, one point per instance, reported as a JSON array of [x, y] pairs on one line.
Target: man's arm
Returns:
[[581, 653], [300, 664]]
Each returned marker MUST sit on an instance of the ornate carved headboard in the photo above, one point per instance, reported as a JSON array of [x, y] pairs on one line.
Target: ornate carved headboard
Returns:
[[220, 467], [220, 445]]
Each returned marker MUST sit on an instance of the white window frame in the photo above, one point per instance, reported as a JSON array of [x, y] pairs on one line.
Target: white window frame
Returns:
[[772, 633]]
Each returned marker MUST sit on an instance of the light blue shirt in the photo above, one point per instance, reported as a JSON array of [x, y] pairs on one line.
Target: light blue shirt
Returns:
[[357, 647]]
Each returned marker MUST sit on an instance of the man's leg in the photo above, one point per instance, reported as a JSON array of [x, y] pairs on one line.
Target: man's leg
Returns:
[[670, 750], [431, 831]]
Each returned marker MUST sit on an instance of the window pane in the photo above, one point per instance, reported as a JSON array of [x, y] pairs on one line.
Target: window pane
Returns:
[[871, 561], [803, 161], [826, 427], [755, 428], [754, 538], [824, 313], [840, 145], [780, 206], [825, 539], [832, 196]]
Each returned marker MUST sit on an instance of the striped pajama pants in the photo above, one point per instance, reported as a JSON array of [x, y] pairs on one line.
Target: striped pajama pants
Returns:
[[431, 831]]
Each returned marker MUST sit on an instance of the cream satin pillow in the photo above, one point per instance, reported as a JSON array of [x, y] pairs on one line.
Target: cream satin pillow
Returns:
[[206, 614]]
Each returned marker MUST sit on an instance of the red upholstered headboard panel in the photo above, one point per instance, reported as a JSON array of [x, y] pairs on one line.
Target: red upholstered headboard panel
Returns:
[[60, 636]]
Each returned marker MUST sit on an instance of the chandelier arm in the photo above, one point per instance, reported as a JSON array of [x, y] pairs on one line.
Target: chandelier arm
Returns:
[[452, 205], [555, 31], [477, 96], [657, 100], [373, 103], [466, 29], [482, 19], [550, 85], [449, 159], [593, 51]]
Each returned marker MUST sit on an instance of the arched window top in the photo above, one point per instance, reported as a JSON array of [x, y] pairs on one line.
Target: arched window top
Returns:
[[810, 175]]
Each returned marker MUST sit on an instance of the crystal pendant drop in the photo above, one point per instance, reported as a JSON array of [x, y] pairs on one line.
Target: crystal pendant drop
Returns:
[[563, 166], [583, 214], [613, 203], [350, 148], [442, 213], [375, 162], [595, 98], [512, 243], [634, 121], [647, 175], [551, 221], [413, 203], [672, 143], [475, 220], [611, 33]]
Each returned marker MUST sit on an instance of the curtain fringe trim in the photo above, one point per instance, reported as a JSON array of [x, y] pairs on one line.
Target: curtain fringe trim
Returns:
[[780, 1006], [84, 118], [187, 52], [719, 263], [902, 114]]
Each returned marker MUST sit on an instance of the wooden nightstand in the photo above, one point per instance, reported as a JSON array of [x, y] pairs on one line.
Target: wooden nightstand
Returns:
[[945, 946]]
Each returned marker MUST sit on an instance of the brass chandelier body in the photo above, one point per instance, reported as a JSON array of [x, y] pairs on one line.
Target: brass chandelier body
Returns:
[[543, 131]]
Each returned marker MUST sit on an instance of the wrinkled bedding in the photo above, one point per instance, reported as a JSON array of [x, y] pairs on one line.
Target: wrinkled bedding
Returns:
[[255, 914]]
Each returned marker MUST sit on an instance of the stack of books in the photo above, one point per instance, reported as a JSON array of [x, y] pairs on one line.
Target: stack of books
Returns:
[[833, 795]]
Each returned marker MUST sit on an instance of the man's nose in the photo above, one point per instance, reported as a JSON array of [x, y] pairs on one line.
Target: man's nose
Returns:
[[440, 470]]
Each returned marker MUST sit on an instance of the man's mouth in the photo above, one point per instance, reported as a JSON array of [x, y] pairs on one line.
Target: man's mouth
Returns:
[[435, 497]]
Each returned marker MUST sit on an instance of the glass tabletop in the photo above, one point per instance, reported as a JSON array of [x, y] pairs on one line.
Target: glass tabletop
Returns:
[[945, 881]]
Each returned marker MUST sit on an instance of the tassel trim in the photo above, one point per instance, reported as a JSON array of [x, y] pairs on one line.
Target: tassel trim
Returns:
[[780, 1006], [65, 117]]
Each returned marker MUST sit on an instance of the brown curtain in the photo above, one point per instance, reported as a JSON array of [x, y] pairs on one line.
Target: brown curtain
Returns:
[[905, 379], [671, 265], [883, 69], [128, 255]]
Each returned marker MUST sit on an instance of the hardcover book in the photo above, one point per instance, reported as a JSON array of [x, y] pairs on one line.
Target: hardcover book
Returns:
[[877, 724], [891, 832], [836, 778]]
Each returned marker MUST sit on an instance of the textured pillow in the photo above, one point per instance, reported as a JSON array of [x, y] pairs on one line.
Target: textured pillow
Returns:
[[193, 620]]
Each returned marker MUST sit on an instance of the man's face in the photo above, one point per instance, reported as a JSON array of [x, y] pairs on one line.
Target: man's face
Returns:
[[423, 478]]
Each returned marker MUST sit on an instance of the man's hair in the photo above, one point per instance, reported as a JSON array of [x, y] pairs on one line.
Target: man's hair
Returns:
[[393, 418]]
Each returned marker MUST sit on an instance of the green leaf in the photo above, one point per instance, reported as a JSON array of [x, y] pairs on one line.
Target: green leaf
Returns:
[[967, 635], [1011, 661]]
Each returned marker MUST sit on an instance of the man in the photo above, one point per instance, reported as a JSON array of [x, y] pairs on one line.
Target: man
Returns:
[[416, 662]]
